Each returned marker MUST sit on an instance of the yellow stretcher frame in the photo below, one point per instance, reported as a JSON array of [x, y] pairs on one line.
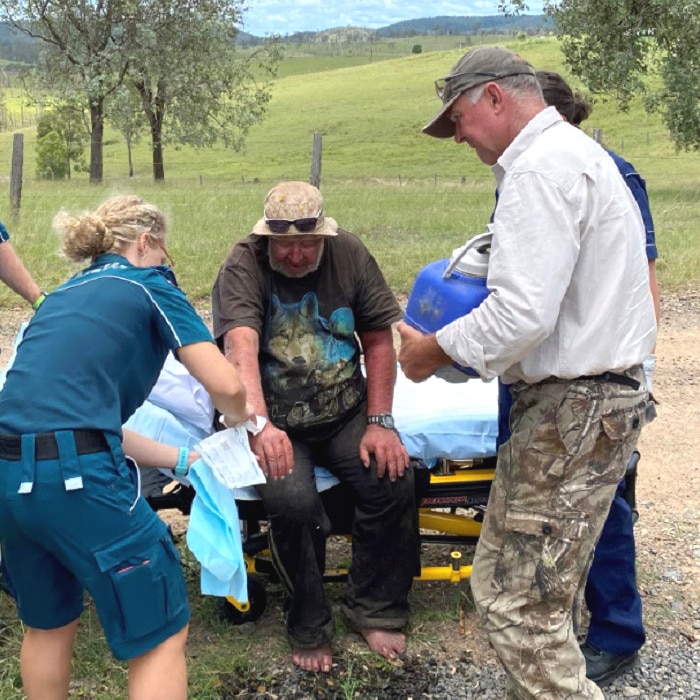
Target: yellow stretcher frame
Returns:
[[460, 484]]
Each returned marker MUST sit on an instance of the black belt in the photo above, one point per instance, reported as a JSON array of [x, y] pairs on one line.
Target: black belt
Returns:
[[612, 377], [86, 442]]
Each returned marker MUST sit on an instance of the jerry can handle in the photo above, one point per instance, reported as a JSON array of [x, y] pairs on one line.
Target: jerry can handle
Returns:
[[479, 238]]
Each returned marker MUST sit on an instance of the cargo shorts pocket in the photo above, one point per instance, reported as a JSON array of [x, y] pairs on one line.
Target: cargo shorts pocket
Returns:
[[147, 582], [620, 432], [619, 425], [541, 554]]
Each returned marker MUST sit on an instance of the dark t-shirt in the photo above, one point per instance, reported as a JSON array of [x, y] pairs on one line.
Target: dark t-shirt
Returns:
[[309, 350]]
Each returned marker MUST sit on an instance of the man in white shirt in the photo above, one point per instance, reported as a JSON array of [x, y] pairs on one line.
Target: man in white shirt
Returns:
[[567, 323]]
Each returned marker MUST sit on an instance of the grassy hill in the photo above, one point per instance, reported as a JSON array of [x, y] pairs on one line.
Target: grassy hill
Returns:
[[411, 197], [370, 117]]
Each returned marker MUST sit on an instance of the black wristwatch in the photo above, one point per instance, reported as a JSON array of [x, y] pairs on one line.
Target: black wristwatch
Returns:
[[385, 420]]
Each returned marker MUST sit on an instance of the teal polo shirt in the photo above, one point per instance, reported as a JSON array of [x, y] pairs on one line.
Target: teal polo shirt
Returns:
[[93, 351]]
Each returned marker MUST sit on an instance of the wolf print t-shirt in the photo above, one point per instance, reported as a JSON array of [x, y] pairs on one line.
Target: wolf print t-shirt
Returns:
[[309, 350]]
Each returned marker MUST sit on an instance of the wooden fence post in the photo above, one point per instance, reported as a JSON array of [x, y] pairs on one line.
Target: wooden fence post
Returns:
[[16, 173], [598, 135], [315, 178]]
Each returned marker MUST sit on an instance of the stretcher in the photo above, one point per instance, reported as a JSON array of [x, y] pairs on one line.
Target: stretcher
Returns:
[[450, 433]]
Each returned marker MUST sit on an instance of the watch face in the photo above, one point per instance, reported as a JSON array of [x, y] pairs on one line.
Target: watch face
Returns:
[[387, 421]]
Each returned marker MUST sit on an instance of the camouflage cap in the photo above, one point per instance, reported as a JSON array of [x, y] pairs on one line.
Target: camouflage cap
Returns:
[[477, 67], [300, 206]]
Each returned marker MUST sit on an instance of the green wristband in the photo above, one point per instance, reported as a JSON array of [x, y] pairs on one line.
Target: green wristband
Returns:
[[39, 301], [181, 467]]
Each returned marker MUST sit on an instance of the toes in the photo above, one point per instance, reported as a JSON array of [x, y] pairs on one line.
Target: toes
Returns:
[[313, 660]]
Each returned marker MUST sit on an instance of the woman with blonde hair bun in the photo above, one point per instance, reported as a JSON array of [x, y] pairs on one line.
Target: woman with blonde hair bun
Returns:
[[115, 224], [70, 514]]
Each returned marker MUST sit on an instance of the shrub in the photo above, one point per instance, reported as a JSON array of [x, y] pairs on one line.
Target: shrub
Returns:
[[51, 157]]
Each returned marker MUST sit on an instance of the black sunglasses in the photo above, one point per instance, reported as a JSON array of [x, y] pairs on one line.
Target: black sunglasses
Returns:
[[305, 225]]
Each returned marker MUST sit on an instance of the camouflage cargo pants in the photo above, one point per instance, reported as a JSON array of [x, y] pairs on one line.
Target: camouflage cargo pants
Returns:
[[554, 483]]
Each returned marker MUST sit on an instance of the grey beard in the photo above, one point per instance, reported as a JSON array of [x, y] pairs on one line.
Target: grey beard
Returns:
[[282, 270]]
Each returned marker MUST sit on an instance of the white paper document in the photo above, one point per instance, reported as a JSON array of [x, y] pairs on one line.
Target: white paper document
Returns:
[[228, 455]]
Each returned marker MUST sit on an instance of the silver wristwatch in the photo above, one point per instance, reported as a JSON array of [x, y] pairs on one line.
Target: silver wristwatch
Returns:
[[385, 420]]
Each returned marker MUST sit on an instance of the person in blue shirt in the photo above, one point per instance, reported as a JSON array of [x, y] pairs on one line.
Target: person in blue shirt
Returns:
[[14, 274], [616, 629], [70, 514], [615, 632]]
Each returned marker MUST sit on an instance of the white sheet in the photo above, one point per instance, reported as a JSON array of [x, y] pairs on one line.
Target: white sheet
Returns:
[[438, 419]]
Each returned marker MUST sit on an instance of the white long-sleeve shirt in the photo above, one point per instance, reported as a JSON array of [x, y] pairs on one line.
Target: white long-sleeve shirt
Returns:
[[568, 272]]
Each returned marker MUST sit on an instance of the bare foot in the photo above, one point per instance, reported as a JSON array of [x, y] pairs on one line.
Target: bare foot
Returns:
[[313, 659], [388, 643]]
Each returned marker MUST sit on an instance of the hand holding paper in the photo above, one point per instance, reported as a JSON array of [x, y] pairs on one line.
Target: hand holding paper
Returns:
[[228, 454]]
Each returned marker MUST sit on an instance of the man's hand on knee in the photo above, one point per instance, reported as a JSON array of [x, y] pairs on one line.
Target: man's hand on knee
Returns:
[[388, 450]]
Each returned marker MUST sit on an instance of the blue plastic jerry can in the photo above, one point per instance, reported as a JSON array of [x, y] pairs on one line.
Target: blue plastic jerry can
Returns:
[[447, 289]]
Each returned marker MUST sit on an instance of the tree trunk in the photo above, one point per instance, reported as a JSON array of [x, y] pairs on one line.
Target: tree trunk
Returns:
[[154, 108], [68, 150], [96, 138], [131, 162], [157, 132], [157, 144]]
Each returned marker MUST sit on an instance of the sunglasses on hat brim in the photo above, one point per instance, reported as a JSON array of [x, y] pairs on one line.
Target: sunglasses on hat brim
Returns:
[[442, 84]]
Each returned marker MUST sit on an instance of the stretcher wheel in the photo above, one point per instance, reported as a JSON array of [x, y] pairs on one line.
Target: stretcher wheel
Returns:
[[257, 599]]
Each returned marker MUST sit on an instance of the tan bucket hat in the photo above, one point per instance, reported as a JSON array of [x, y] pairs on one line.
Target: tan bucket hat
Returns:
[[294, 208]]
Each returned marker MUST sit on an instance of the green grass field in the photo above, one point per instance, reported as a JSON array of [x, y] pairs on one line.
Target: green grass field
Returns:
[[411, 198]]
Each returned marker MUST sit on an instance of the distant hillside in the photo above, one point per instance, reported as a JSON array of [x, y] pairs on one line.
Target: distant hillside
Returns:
[[245, 39], [491, 24], [15, 46]]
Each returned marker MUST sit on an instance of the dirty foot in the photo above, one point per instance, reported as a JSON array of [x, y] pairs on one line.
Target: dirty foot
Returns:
[[388, 643], [313, 659]]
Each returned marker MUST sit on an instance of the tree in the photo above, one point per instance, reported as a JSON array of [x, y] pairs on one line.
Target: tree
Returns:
[[194, 87], [82, 52], [178, 54], [3, 110], [68, 121], [125, 113], [51, 157], [648, 48]]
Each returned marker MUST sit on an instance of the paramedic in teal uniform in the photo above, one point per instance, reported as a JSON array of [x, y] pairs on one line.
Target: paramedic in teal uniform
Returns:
[[70, 514]]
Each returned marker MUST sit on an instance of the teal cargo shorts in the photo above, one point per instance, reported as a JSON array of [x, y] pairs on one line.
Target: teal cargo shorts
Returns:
[[81, 526]]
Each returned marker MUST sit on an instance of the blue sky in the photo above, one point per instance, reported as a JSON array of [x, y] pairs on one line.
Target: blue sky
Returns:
[[266, 17]]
